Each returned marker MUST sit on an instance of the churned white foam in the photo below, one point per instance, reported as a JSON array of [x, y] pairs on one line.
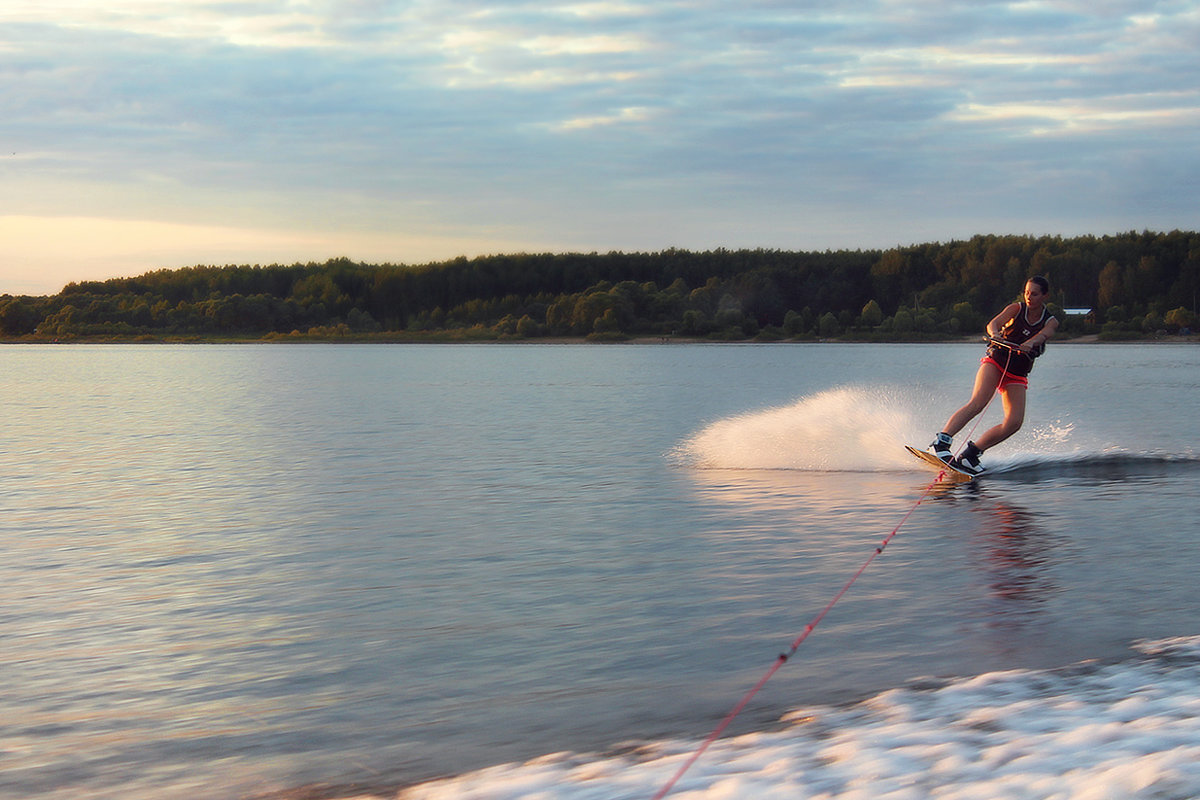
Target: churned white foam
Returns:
[[1123, 730], [842, 429]]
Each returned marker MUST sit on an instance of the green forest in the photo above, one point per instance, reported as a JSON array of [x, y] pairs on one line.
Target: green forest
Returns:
[[1134, 285]]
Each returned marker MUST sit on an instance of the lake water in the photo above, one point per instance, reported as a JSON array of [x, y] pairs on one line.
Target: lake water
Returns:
[[233, 571]]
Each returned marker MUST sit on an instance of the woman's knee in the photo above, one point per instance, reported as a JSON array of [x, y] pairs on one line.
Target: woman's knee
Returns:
[[1011, 426], [977, 405]]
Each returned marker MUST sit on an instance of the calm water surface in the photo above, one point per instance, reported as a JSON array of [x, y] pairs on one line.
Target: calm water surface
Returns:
[[232, 570]]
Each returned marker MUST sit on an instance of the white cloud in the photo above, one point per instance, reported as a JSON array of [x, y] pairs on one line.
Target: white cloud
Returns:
[[1045, 118], [604, 10], [624, 115], [583, 45], [161, 18]]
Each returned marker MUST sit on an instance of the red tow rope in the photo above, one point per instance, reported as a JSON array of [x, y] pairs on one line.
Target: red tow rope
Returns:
[[811, 626]]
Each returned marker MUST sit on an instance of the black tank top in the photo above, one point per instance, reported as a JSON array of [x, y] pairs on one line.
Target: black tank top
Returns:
[[1018, 331]]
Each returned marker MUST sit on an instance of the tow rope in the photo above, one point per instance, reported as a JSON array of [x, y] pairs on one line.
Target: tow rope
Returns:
[[811, 626]]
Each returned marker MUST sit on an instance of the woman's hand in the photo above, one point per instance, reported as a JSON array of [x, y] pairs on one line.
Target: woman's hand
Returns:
[[1031, 348]]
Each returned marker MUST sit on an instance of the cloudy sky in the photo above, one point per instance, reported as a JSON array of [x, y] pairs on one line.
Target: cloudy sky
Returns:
[[139, 134]]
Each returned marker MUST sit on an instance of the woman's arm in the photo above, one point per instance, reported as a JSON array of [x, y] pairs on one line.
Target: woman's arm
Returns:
[[1041, 337], [1003, 318]]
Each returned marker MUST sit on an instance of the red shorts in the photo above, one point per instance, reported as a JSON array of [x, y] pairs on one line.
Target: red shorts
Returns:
[[1006, 378]]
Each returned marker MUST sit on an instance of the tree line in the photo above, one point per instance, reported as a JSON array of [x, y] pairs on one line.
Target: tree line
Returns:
[[1132, 283]]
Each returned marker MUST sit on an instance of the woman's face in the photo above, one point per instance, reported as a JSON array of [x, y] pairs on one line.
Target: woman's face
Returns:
[[1033, 295]]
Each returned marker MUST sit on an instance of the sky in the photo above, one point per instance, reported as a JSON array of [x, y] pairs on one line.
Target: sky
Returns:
[[145, 134]]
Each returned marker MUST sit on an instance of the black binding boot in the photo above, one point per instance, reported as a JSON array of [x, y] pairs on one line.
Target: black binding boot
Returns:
[[968, 462]]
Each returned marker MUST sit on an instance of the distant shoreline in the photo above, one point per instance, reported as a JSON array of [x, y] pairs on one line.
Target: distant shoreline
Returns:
[[571, 340]]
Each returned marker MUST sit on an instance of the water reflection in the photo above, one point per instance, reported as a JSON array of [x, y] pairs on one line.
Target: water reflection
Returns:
[[798, 494], [968, 541], [1012, 552]]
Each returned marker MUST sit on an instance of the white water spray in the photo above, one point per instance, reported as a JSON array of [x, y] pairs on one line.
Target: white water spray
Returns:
[[842, 429], [863, 429]]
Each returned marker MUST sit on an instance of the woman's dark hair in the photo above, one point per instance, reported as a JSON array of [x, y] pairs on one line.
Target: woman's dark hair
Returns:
[[1042, 283]]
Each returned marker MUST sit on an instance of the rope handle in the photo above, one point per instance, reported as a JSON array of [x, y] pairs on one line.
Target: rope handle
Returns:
[[1034, 352], [1002, 343]]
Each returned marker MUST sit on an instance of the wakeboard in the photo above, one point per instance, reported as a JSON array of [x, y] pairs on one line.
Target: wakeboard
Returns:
[[950, 472]]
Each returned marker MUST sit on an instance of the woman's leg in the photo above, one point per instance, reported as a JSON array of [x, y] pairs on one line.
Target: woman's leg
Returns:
[[986, 381], [1013, 397]]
